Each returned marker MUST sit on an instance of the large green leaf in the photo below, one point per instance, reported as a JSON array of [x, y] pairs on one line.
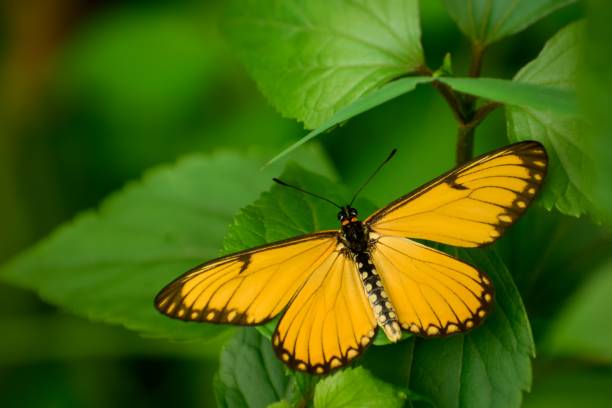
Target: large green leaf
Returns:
[[311, 58], [249, 374], [488, 367], [569, 181], [487, 21], [356, 387], [541, 97], [583, 328], [109, 264]]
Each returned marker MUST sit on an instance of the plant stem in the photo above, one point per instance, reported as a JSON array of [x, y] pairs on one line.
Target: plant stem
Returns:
[[465, 143], [447, 93], [476, 65], [463, 106], [465, 131]]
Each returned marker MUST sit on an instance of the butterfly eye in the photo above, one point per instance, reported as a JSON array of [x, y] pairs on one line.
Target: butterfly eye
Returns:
[[353, 212], [340, 215]]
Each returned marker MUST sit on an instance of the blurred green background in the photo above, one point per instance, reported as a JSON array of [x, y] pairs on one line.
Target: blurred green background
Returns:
[[93, 93]]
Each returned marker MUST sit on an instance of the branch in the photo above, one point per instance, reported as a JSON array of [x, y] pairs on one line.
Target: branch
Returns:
[[477, 53], [447, 93], [482, 112], [465, 144], [465, 132]]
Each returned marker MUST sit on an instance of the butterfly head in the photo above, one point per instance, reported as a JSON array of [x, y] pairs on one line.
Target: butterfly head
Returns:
[[347, 215]]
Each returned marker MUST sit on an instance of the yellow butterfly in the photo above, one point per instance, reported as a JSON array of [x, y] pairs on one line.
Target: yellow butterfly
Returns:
[[335, 288]]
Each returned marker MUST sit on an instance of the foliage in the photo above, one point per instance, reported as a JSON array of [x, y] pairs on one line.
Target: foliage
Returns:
[[334, 65], [322, 56], [249, 373], [569, 186], [486, 21]]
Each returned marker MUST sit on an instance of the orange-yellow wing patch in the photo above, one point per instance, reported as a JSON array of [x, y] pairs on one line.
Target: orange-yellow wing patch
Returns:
[[249, 287], [471, 205], [329, 323], [433, 293]]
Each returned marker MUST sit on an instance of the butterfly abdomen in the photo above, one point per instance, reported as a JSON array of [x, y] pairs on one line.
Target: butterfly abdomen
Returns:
[[379, 300]]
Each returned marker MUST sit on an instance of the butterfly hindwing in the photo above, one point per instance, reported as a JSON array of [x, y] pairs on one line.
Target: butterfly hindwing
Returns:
[[471, 205], [433, 293], [249, 287], [329, 323]]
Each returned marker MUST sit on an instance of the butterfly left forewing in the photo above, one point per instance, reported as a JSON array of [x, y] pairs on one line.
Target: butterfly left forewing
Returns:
[[329, 323], [249, 287], [471, 205], [433, 293]]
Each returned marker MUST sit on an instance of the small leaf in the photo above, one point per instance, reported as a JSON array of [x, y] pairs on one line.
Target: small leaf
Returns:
[[312, 58], [541, 97], [109, 264], [249, 374], [363, 104], [583, 328], [488, 367], [568, 186], [487, 21], [356, 387]]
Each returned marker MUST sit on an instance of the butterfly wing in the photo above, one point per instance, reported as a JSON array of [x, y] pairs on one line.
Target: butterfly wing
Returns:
[[471, 205], [330, 322], [433, 293], [249, 287]]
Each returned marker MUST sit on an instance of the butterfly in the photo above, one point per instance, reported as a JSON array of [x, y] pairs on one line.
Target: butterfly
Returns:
[[333, 289]]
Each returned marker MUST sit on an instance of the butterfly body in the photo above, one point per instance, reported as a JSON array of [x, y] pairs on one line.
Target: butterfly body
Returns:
[[334, 288], [358, 241]]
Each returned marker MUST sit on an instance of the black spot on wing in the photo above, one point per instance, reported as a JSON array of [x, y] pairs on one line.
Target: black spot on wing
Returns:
[[452, 182], [246, 261]]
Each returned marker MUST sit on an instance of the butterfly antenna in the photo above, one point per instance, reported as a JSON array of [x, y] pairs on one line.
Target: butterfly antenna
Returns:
[[373, 174], [282, 183]]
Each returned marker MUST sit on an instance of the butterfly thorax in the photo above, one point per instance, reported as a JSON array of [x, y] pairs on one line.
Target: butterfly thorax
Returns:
[[355, 235], [356, 238]]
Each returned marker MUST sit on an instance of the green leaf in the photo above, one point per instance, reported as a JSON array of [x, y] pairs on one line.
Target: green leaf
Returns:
[[109, 264], [583, 328], [569, 182], [487, 21], [249, 374], [311, 58], [363, 104], [541, 97], [488, 367], [552, 263], [356, 387]]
